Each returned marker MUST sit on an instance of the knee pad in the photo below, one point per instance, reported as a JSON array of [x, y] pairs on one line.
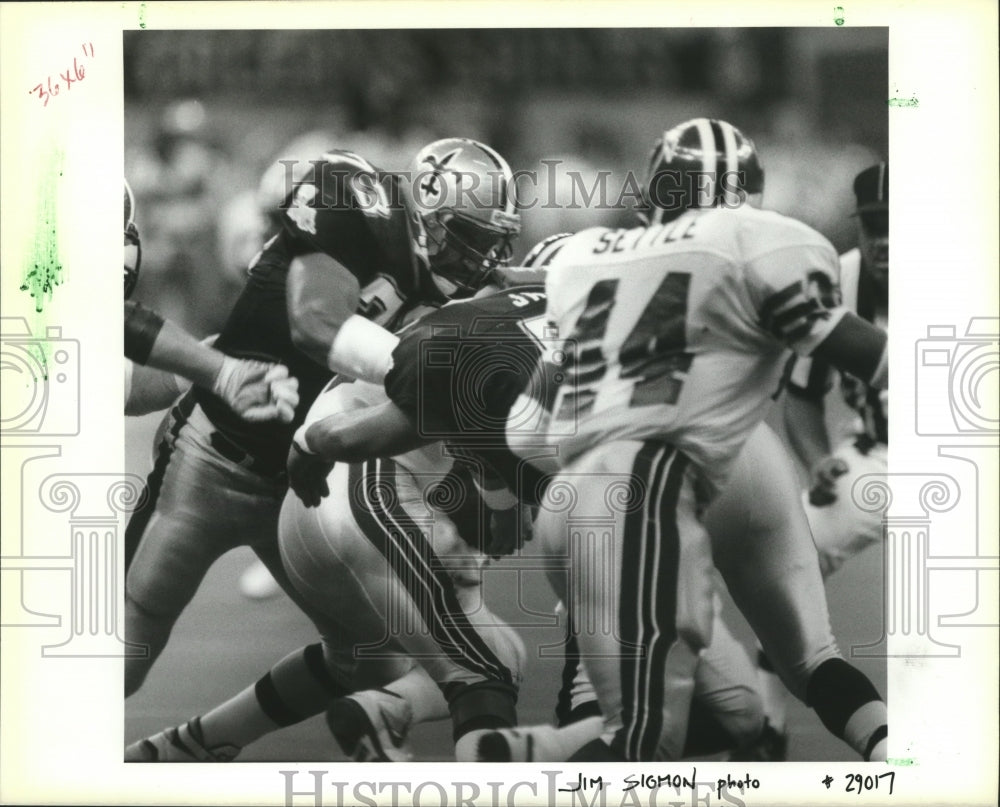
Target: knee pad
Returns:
[[836, 690], [483, 705]]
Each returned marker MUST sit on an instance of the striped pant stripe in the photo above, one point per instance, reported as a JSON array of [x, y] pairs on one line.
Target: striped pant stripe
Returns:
[[412, 560], [647, 604]]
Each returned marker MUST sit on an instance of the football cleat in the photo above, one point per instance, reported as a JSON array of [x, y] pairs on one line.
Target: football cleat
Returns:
[[371, 726], [182, 743]]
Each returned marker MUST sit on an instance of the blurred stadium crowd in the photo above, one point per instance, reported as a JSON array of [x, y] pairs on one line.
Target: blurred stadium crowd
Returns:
[[208, 114]]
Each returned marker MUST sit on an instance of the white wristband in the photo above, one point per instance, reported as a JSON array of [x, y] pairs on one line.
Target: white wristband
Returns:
[[299, 439], [362, 350]]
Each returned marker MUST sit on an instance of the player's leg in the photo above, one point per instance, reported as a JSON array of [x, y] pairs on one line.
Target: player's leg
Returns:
[[205, 507], [163, 449], [638, 591], [726, 712], [840, 530], [298, 687], [762, 546], [305, 682], [406, 589]]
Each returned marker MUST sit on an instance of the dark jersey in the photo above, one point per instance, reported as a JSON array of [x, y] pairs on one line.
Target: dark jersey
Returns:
[[338, 210], [459, 370], [350, 210]]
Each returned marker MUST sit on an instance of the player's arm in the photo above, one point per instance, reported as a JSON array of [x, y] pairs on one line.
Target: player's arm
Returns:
[[355, 436], [361, 434], [510, 521], [255, 390], [857, 347], [805, 425], [152, 340], [322, 298], [797, 296]]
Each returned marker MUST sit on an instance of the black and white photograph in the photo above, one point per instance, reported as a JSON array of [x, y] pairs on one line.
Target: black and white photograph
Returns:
[[371, 179], [508, 388]]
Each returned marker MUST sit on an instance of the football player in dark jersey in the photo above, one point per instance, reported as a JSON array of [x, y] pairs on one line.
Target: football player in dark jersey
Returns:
[[477, 663], [163, 359], [358, 246]]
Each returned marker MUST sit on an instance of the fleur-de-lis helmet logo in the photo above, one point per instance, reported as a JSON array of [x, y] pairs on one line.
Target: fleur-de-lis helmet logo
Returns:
[[431, 186]]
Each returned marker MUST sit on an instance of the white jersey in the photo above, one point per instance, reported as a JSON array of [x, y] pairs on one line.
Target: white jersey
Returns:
[[681, 331]]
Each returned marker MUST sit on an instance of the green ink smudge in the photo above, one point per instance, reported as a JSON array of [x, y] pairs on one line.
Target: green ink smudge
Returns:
[[41, 352], [142, 15], [44, 271], [838, 15], [901, 761], [903, 102]]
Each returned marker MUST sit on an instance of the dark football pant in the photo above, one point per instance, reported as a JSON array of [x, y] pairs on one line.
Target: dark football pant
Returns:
[[203, 505]]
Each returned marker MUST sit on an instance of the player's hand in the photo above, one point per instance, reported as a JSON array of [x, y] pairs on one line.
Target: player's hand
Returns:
[[307, 475], [509, 529], [257, 391], [822, 489]]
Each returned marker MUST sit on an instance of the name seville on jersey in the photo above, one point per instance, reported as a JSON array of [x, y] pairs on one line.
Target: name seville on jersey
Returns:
[[681, 330]]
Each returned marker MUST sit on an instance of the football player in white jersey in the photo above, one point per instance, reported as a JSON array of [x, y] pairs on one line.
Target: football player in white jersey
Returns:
[[677, 336]]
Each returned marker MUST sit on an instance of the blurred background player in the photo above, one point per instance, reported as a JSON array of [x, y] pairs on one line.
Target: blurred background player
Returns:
[[854, 413]]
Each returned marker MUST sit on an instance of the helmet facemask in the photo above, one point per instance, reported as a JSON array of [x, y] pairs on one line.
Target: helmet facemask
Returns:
[[464, 252]]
